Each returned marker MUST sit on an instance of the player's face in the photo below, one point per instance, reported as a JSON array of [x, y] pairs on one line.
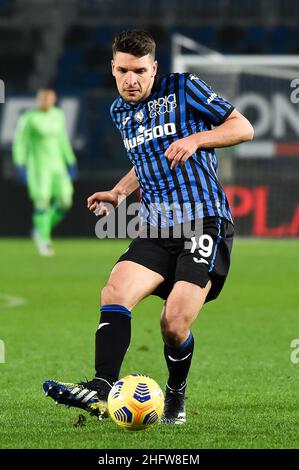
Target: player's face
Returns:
[[46, 99], [134, 75]]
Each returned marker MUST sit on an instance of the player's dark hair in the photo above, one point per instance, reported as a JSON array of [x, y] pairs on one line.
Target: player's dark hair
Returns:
[[136, 42]]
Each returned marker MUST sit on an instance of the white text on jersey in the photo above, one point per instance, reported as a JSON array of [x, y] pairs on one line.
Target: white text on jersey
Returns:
[[150, 134]]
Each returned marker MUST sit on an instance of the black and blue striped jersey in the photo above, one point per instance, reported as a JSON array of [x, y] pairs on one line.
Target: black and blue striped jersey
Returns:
[[178, 106]]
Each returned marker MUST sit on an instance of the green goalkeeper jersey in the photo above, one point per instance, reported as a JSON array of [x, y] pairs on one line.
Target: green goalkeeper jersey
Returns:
[[41, 142]]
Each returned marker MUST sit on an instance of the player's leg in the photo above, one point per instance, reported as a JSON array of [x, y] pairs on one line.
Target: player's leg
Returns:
[[139, 271], [39, 187], [200, 274], [40, 193], [128, 283], [62, 198], [180, 311]]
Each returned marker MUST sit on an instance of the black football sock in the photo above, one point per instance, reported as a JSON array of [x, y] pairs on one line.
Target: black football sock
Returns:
[[113, 338], [178, 362]]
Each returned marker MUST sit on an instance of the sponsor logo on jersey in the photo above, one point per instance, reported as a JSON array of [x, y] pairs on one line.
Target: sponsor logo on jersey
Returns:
[[150, 134], [162, 105]]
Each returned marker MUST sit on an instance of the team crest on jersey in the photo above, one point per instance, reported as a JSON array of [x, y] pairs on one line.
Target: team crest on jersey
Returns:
[[162, 105], [139, 116]]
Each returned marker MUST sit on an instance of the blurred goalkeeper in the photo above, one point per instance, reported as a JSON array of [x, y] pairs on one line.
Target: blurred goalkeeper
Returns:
[[45, 162]]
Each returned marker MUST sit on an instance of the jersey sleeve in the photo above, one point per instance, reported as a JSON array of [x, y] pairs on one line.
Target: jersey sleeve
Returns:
[[20, 144], [203, 100], [66, 148], [112, 112]]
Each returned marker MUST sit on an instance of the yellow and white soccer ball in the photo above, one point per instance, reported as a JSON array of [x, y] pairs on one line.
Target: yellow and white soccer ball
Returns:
[[136, 402]]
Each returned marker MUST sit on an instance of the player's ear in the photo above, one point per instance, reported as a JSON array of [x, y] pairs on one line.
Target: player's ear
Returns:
[[112, 67], [155, 68]]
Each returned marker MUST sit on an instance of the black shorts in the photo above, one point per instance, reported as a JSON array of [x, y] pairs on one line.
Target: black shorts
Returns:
[[198, 260]]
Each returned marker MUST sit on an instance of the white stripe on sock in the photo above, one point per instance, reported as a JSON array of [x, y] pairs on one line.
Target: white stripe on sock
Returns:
[[177, 389], [178, 360]]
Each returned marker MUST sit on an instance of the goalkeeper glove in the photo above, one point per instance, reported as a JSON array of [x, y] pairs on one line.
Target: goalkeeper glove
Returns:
[[21, 173], [73, 171]]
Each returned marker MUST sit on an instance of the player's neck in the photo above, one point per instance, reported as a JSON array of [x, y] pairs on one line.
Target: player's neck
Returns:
[[43, 110]]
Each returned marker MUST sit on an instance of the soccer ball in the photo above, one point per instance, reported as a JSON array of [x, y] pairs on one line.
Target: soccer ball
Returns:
[[136, 402]]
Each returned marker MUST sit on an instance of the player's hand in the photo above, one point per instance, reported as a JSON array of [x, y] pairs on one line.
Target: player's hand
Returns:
[[21, 173], [180, 150], [73, 171], [96, 202]]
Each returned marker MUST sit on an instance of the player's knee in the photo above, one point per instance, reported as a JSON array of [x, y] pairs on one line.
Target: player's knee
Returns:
[[111, 294], [65, 207], [173, 329], [107, 294], [41, 203], [64, 204]]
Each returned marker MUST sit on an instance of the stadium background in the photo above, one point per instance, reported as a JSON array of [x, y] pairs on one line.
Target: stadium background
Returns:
[[243, 387]]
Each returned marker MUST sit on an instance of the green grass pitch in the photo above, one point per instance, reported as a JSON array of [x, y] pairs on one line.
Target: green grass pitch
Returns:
[[243, 387]]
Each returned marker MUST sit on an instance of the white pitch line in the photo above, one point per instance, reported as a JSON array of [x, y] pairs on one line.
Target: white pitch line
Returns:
[[11, 301]]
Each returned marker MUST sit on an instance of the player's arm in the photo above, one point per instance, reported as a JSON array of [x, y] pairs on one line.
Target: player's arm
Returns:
[[126, 186], [20, 141], [230, 126], [234, 130], [20, 147], [66, 150]]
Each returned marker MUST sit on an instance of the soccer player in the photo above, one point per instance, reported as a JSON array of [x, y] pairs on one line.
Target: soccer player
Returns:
[[166, 125], [45, 162]]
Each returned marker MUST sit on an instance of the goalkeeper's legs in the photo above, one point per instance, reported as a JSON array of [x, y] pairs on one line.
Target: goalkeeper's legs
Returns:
[[180, 311], [41, 233], [41, 222], [39, 187], [62, 198]]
